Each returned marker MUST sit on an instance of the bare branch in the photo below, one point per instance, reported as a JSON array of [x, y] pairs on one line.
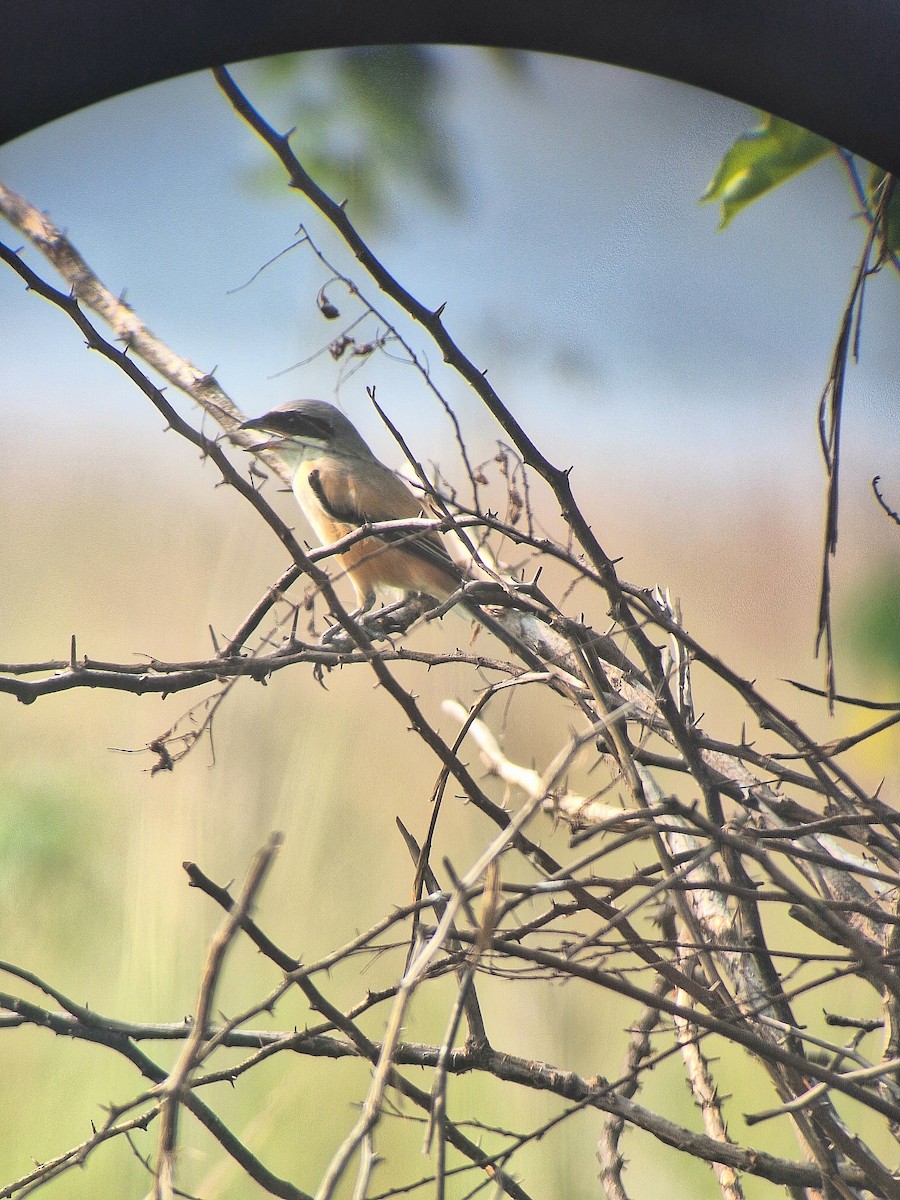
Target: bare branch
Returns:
[[174, 1089]]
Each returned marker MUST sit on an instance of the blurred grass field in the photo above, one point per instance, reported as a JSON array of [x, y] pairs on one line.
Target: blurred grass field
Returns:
[[93, 894]]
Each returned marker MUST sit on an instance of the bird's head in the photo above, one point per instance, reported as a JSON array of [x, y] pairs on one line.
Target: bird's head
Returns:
[[305, 429]]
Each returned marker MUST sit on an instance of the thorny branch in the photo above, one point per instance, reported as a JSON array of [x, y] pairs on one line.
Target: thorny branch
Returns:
[[758, 877], [831, 406], [176, 1086]]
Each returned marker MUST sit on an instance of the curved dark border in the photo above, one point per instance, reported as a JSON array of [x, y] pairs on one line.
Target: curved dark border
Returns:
[[830, 65]]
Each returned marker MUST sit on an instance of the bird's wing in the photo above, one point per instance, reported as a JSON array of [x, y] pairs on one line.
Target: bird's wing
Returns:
[[353, 498]]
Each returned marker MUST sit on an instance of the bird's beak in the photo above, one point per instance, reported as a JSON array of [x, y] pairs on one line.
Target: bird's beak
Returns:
[[273, 441]]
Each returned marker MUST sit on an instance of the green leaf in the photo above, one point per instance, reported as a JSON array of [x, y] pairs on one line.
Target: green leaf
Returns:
[[761, 160], [890, 232]]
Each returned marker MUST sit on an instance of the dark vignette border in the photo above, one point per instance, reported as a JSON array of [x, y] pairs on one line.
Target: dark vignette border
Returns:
[[830, 65]]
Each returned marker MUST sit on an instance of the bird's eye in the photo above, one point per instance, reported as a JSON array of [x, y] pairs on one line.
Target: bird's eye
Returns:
[[318, 427]]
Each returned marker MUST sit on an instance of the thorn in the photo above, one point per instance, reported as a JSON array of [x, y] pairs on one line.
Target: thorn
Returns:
[[438, 312], [215, 640], [72, 664]]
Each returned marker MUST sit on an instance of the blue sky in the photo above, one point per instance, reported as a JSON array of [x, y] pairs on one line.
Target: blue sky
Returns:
[[581, 272]]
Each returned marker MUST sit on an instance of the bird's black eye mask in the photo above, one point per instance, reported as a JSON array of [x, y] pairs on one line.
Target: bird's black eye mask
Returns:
[[305, 426], [294, 424]]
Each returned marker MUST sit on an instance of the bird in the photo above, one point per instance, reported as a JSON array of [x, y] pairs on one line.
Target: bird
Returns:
[[340, 485]]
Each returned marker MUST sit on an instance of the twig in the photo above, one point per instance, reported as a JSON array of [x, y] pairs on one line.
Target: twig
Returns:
[[830, 411], [174, 1088]]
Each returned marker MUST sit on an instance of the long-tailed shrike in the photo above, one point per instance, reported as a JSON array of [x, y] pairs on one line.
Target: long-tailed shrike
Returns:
[[341, 485]]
